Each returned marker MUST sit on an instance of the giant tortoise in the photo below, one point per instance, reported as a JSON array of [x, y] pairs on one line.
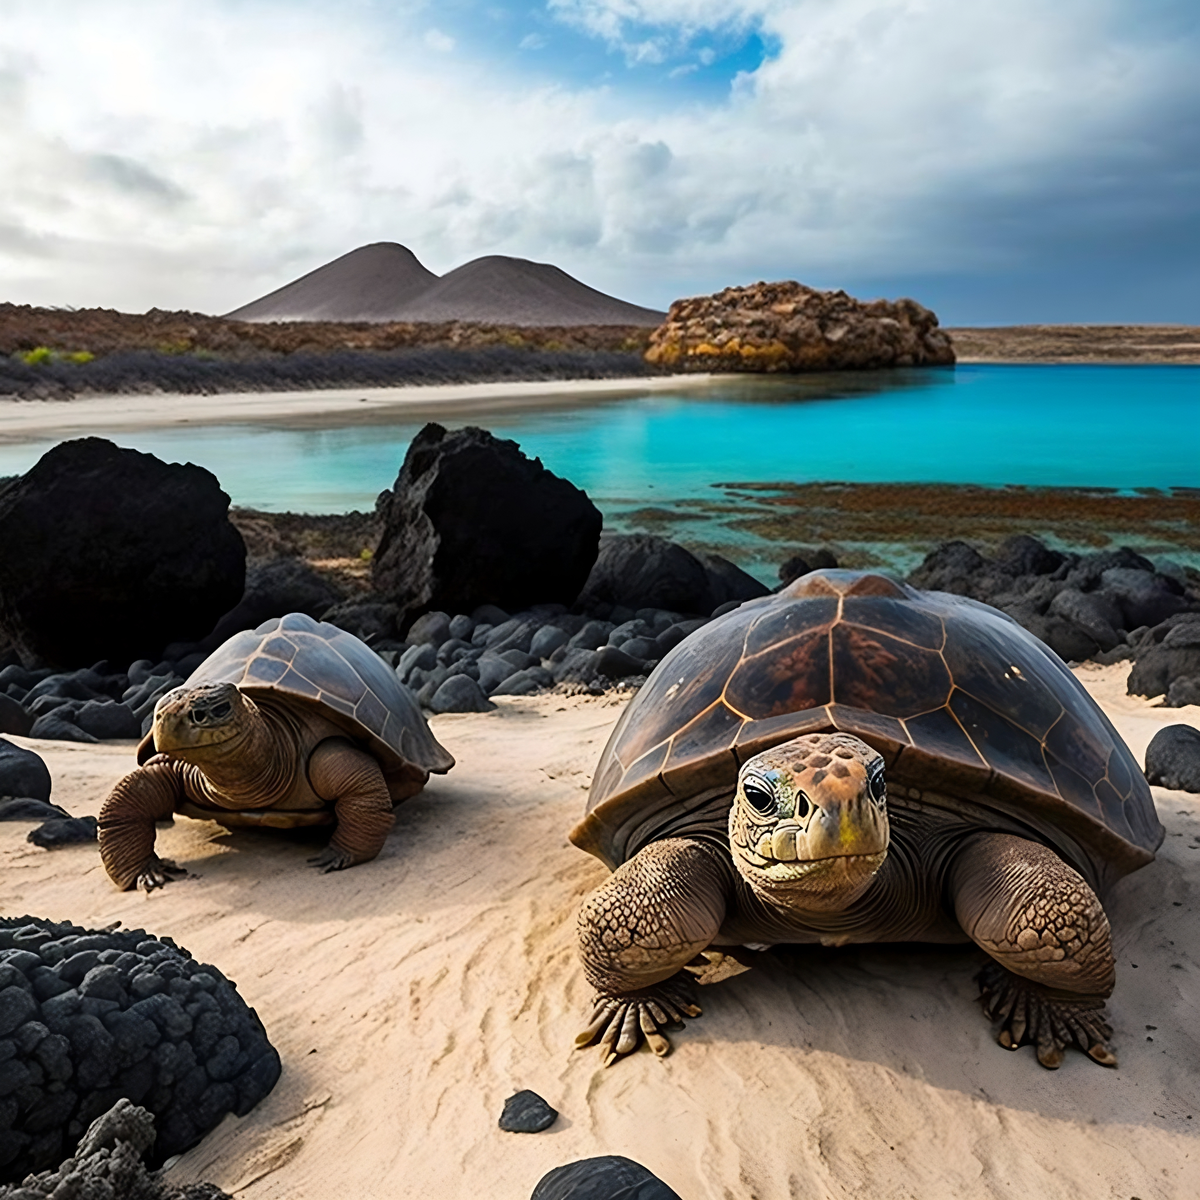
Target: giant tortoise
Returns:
[[741, 801], [296, 723]]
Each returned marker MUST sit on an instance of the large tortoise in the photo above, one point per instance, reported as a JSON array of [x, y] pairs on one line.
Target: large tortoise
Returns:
[[296, 723], [740, 802]]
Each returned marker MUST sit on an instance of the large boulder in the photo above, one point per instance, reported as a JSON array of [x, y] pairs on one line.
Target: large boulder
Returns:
[[1173, 758], [789, 327], [112, 554], [472, 521], [639, 570]]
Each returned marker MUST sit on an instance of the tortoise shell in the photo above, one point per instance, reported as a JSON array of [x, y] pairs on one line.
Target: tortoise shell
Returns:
[[956, 696], [310, 664]]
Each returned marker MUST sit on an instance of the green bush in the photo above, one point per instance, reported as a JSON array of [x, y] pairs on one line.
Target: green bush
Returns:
[[36, 356]]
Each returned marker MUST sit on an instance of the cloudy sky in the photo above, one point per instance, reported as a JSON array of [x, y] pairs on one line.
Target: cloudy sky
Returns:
[[1000, 160]]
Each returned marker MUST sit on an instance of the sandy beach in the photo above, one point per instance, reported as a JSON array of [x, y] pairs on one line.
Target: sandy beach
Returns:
[[22, 420], [410, 996]]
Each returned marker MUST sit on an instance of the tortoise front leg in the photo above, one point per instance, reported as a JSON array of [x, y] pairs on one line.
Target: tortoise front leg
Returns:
[[353, 780], [126, 823], [1048, 934], [637, 931]]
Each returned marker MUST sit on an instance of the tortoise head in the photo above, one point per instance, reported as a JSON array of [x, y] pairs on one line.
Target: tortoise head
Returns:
[[190, 721], [809, 826]]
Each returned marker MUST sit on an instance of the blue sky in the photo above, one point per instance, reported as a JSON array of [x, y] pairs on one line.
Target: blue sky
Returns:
[[1000, 160]]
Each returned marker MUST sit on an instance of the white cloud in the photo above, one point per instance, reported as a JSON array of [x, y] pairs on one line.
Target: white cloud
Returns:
[[198, 155], [435, 39]]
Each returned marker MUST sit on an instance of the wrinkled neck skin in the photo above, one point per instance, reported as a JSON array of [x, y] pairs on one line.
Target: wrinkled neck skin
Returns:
[[252, 769], [832, 886]]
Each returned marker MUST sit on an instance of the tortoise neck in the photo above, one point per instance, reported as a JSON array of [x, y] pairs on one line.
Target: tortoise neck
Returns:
[[253, 769]]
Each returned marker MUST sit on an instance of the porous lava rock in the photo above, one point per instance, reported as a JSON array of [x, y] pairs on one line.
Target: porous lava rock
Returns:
[[787, 326], [88, 1017], [1168, 661], [640, 570], [1173, 758], [606, 1177], [1083, 606], [107, 553], [108, 1164], [471, 520]]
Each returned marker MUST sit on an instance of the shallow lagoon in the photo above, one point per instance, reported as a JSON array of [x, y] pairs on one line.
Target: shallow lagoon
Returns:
[[1122, 427], [656, 460]]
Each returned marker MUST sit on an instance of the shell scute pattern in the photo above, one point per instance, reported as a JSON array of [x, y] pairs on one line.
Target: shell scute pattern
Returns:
[[954, 694], [320, 665]]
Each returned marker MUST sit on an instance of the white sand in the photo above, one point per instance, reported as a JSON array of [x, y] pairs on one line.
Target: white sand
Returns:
[[410, 996], [23, 420]]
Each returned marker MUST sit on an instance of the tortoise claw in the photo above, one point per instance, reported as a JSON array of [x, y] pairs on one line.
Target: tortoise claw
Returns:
[[1052, 1021], [158, 872], [331, 859], [621, 1022]]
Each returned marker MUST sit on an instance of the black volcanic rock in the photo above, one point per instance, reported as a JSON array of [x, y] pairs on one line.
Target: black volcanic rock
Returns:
[[371, 283], [1173, 758], [112, 554], [607, 1177], [472, 521], [639, 570]]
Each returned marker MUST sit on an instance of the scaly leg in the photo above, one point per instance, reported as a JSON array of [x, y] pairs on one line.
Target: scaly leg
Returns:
[[1049, 937], [126, 823], [353, 780], [637, 931]]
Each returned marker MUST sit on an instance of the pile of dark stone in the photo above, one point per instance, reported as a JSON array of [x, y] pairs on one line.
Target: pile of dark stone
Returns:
[[87, 705], [109, 1164], [454, 664], [1107, 607], [88, 1017]]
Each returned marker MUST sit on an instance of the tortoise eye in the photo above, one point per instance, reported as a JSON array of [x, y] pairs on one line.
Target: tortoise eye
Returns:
[[878, 787], [759, 797]]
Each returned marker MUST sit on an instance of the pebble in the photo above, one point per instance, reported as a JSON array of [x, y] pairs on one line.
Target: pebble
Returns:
[[527, 1112]]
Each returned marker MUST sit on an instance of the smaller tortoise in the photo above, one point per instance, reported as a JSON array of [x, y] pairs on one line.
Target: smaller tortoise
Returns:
[[296, 723], [741, 802]]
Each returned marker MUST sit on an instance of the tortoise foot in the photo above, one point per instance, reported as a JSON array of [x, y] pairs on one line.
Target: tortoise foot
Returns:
[[622, 1022], [332, 859], [1050, 1020], [158, 872]]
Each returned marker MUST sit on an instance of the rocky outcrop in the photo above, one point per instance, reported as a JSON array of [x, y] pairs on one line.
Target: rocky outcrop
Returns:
[[90, 1016], [786, 326], [112, 554], [471, 520]]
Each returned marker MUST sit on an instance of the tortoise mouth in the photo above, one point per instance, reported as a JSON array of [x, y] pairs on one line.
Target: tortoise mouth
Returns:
[[847, 866]]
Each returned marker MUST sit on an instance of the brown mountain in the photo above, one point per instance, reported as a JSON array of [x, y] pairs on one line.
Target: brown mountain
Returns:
[[369, 284], [385, 282]]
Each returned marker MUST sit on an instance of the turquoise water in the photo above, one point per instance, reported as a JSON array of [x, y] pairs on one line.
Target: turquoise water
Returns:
[[1121, 427]]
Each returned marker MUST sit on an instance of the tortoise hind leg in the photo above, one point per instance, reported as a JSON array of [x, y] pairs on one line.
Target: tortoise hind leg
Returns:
[[353, 780], [637, 932], [1047, 933]]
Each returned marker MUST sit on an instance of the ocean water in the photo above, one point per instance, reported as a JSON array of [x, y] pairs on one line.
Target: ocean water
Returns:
[[1122, 427]]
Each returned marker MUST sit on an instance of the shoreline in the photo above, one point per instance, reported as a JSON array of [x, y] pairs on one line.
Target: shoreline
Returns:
[[29, 420]]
